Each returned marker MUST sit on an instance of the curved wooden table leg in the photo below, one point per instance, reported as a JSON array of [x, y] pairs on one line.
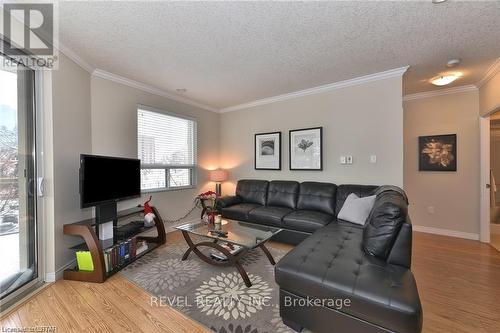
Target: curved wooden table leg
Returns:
[[243, 274], [232, 260], [186, 254], [189, 243], [268, 254]]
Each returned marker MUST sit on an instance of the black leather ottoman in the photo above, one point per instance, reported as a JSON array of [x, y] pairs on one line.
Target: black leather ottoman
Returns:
[[331, 265]]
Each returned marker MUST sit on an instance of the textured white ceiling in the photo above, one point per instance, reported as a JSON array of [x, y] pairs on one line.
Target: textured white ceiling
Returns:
[[228, 53]]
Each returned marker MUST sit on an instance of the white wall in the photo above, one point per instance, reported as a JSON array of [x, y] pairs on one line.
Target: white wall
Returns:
[[454, 195], [71, 136], [114, 132], [93, 115], [361, 120]]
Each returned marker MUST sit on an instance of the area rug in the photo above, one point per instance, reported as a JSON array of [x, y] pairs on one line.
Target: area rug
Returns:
[[214, 296]]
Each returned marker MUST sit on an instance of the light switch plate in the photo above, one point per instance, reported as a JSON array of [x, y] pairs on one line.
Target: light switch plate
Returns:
[[373, 159], [343, 160]]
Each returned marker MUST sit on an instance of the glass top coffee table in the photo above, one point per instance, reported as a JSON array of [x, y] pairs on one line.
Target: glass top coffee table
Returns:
[[241, 237]]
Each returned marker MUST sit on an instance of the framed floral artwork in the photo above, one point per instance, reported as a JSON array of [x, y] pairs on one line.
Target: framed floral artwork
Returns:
[[306, 149], [437, 153]]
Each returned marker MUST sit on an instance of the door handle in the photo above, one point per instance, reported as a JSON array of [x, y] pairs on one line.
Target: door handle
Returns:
[[40, 186]]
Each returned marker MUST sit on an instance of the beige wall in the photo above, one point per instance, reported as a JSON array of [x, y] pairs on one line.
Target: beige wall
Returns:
[[92, 115], [489, 95], [114, 132], [454, 195], [71, 136], [361, 120]]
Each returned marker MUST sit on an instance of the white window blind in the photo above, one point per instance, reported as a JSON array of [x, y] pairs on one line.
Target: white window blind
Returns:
[[167, 149]]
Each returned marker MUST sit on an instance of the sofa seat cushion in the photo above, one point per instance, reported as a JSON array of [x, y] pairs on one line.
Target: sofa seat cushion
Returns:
[[306, 220], [268, 215], [239, 212], [331, 264]]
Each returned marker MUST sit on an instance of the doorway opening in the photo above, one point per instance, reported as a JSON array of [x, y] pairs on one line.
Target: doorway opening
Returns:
[[495, 180]]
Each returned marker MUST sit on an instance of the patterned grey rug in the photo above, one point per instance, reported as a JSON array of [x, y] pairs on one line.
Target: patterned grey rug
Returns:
[[214, 296]]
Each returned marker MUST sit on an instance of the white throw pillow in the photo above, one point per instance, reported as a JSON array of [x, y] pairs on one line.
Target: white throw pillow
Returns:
[[356, 209]]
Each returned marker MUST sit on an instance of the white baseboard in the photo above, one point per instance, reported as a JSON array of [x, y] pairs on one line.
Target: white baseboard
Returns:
[[59, 272], [446, 232]]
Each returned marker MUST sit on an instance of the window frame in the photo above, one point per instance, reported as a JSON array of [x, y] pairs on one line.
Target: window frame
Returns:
[[193, 168], [36, 235]]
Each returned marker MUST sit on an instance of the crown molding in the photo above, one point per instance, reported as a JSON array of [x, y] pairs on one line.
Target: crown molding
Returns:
[[76, 58], [440, 92], [320, 89], [149, 89], [491, 72]]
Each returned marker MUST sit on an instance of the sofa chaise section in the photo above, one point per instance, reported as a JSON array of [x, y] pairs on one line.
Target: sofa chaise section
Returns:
[[369, 267], [331, 265]]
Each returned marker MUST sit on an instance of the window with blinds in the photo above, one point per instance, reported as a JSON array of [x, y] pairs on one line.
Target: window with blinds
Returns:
[[167, 149]]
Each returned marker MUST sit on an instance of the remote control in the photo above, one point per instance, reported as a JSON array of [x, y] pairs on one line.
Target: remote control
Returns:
[[219, 233]]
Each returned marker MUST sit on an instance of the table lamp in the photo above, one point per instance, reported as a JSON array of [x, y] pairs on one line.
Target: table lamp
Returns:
[[218, 176]]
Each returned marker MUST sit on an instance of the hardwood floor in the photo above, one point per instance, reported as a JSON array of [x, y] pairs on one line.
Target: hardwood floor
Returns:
[[458, 280]]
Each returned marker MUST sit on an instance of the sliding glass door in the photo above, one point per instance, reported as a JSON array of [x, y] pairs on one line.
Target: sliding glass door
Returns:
[[18, 222]]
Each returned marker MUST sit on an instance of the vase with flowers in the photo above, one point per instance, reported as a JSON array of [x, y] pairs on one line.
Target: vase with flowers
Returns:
[[208, 202]]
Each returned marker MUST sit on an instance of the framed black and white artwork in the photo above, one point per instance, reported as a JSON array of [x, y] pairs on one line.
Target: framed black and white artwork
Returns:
[[437, 152], [306, 149], [268, 151]]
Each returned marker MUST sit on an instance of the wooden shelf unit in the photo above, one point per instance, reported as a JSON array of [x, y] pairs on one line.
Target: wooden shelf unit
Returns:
[[86, 229]]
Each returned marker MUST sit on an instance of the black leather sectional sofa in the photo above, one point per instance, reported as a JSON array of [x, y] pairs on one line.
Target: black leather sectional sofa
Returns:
[[340, 277]]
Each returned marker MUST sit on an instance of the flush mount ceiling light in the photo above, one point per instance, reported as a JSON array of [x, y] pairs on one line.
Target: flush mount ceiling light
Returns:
[[442, 80], [438, 1], [181, 90], [453, 62]]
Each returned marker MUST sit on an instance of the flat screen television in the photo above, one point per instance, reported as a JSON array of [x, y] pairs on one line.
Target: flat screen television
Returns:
[[105, 179]]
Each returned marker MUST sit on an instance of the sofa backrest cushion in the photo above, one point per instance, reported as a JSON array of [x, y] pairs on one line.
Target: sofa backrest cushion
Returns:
[[389, 213], [317, 196], [283, 193], [343, 192], [252, 191]]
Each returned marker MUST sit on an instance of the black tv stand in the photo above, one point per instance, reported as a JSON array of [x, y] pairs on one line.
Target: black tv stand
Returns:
[[105, 213], [89, 228]]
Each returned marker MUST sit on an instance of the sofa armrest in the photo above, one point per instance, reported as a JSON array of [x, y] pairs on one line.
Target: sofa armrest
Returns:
[[400, 253], [228, 200]]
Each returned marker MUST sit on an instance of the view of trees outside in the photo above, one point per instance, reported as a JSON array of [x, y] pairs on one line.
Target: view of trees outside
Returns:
[[9, 191], [9, 203]]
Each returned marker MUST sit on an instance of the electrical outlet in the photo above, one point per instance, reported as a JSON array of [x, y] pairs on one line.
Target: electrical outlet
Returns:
[[349, 159], [431, 210], [343, 160]]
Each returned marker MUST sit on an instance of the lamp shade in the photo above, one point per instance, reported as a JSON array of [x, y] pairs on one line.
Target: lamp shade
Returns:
[[218, 175]]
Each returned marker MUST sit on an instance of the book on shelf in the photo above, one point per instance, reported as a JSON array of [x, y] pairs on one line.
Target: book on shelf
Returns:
[[122, 252]]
